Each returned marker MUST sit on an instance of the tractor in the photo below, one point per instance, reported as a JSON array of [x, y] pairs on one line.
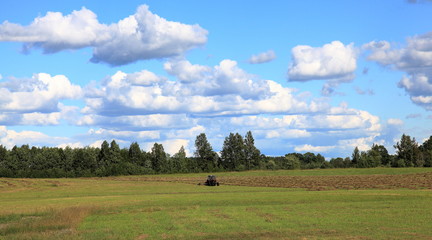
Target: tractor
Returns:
[[211, 181]]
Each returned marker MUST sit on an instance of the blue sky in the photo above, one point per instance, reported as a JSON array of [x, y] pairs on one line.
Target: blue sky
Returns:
[[319, 76]]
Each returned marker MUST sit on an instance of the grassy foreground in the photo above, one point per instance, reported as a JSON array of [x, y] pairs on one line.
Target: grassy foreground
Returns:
[[124, 208]]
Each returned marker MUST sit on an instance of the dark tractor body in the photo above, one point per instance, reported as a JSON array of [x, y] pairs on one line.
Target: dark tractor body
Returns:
[[211, 181]]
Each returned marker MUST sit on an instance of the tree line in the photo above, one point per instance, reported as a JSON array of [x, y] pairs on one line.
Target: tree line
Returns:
[[238, 154]]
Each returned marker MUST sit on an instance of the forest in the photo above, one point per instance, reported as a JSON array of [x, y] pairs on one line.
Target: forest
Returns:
[[238, 154]]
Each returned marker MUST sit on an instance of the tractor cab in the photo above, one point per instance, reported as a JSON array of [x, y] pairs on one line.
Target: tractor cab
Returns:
[[211, 181]]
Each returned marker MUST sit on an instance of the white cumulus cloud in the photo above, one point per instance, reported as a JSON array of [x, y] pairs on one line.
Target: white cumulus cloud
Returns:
[[41, 93], [415, 58], [141, 36], [333, 61], [226, 89]]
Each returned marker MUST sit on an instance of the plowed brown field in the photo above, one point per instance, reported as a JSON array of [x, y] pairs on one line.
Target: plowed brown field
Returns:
[[314, 183]]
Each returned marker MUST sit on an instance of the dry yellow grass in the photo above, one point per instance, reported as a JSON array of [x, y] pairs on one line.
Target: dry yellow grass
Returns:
[[50, 224]]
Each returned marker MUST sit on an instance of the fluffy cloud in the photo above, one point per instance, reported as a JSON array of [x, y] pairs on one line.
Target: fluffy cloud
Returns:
[[41, 93], [419, 87], [55, 32], [143, 35], [415, 59], [224, 90], [333, 61], [187, 72], [262, 57], [224, 79]]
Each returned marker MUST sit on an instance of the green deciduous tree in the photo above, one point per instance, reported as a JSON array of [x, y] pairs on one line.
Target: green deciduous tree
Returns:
[[382, 151], [407, 149], [233, 152], [158, 158], [114, 153], [178, 161], [291, 162], [135, 154], [206, 157], [426, 150], [103, 156]]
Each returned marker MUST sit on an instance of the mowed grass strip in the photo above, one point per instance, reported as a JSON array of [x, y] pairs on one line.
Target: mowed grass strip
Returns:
[[380, 178], [136, 208]]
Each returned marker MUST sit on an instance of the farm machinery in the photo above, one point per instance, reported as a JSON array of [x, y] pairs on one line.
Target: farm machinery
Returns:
[[211, 181]]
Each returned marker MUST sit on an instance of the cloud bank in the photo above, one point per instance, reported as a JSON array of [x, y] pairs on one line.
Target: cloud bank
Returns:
[[146, 107]]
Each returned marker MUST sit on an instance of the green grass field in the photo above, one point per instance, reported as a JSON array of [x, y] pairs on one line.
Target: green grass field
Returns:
[[124, 208]]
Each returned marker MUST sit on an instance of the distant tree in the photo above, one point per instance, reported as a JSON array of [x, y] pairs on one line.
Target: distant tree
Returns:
[[291, 162], [52, 158], [310, 160], [178, 161], [104, 155], [158, 158], [337, 162], [374, 157], [67, 157], [271, 165], [252, 154], [426, 150], [382, 151], [4, 168], [363, 160], [347, 162], [355, 156], [114, 153], [85, 162], [3, 154], [326, 165], [135, 154], [124, 156], [206, 157], [147, 161], [192, 165], [407, 149], [233, 152], [21, 160]]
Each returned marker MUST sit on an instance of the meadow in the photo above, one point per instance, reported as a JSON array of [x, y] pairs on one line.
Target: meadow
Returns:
[[379, 203]]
